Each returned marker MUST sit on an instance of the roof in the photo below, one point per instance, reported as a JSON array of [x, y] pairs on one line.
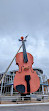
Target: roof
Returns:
[[40, 70], [10, 72]]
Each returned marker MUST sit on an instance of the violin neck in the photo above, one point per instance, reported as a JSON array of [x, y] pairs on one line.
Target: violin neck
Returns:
[[24, 53]]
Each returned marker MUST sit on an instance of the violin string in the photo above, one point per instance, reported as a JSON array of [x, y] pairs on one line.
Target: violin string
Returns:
[[9, 65]]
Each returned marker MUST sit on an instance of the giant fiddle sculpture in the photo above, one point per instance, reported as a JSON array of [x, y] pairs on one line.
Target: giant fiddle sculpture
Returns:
[[26, 80]]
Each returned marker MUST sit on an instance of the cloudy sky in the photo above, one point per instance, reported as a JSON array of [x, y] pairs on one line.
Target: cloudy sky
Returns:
[[19, 18]]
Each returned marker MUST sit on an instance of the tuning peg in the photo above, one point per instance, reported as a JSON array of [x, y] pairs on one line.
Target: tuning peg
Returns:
[[26, 37], [19, 39]]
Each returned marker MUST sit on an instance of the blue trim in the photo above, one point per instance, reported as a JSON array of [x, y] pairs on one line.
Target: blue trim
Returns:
[[44, 84], [40, 84], [8, 84]]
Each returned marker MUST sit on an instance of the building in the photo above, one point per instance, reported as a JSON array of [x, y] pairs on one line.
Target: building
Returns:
[[7, 86], [48, 85]]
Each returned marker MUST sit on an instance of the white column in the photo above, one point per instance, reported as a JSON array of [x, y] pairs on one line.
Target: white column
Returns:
[[46, 89], [11, 90], [42, 89], [13, 75], [1, 86]]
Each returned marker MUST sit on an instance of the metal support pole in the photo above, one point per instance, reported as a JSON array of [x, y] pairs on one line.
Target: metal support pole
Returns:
[[42, 89], [9, 66], [11, 90]]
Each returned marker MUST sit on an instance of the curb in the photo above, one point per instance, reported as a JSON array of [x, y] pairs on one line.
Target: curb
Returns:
[[29, 104]]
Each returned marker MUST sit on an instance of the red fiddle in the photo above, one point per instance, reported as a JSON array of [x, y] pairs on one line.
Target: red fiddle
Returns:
[[26, 80]]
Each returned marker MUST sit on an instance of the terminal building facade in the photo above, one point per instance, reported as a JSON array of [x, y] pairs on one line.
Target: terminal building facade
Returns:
[[6, 87]]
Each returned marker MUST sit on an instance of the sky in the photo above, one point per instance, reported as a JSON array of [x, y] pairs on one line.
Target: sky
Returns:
[[20, 18]]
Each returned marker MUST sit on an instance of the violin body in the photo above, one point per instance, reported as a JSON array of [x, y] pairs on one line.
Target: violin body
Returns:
[[26, 80]]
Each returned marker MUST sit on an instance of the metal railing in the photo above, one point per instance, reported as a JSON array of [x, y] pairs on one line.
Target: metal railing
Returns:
[[19, 98]]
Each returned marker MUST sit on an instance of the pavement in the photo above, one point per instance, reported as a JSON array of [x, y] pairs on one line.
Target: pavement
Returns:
[[26, 108], [40, 106]]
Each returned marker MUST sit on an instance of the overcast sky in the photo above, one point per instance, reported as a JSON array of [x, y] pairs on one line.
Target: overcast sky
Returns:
[[19, 18]]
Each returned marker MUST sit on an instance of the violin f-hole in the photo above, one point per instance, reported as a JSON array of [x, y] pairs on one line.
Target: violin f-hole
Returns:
[[27, 78]]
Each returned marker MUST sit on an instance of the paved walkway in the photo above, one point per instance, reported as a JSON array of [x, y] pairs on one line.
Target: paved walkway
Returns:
[[26, 108]]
